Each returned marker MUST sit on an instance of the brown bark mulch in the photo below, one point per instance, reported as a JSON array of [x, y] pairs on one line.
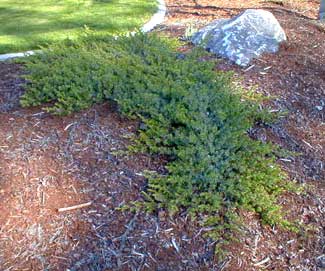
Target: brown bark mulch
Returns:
[[49, 162]]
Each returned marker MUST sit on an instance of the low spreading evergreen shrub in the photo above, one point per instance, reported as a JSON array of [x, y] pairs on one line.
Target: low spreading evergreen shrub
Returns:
[[191, 113]]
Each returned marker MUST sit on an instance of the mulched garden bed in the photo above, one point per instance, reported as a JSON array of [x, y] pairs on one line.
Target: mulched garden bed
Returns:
[[50, 162]]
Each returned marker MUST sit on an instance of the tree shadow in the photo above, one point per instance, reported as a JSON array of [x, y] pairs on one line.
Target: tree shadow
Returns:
[[199, 9]]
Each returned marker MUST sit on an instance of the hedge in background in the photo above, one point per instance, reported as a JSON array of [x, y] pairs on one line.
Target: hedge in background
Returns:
[[191, 113]]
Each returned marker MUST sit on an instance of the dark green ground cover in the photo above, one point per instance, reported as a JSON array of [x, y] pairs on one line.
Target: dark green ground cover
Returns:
[[190, 113]]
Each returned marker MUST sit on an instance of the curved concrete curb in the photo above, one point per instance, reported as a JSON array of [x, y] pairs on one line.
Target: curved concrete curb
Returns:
[[14, 55], [156, 19]]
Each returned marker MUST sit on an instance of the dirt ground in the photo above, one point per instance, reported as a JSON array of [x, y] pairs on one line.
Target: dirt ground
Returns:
[[49, 162]]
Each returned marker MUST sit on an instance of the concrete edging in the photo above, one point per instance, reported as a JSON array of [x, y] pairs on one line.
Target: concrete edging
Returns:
[[155, 20], [5, 57]]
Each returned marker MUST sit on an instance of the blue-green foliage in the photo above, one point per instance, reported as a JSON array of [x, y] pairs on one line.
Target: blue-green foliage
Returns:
[[192, 114]]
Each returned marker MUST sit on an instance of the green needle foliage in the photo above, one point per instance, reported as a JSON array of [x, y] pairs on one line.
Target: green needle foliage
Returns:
[[191, 113]]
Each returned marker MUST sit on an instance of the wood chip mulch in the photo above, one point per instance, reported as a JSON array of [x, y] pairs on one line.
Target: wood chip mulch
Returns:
[[48, 163]]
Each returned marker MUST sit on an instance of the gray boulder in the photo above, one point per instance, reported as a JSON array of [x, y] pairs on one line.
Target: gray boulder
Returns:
[[322, 10], [243, 37], [320, 262]]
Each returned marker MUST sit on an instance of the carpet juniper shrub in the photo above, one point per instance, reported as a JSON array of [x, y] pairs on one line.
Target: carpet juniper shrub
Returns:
[[191, 113]]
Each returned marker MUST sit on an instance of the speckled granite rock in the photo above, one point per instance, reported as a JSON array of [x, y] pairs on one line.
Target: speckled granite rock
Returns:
[[320, 261], [322, 10], [243, 37]]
